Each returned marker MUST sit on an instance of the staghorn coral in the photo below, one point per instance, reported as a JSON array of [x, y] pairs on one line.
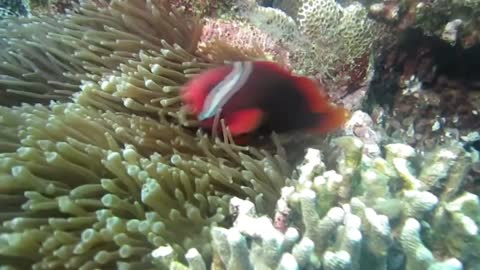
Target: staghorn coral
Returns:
[[388, 196], [253, 243]]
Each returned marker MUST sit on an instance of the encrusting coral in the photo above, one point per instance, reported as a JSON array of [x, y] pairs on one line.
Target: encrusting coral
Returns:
[[452, 21], [9, 8]]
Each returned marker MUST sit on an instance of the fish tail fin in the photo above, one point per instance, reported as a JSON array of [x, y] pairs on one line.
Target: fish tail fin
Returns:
[[330, 120], [328, 117]]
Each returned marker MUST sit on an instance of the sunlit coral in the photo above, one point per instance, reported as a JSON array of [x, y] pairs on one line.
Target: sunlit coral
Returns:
[[244, 37]]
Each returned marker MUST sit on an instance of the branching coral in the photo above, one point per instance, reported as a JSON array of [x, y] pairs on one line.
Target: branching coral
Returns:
[[387, 196], [360, 212]]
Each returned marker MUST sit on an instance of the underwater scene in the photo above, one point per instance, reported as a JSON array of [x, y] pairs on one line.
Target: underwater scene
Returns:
[[240, 134]]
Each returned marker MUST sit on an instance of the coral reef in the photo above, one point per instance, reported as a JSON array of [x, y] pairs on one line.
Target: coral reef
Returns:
[[11, 8], [429, 89], [363, 213], [108, 170], [455, 22], [391, 194], [320, 39]]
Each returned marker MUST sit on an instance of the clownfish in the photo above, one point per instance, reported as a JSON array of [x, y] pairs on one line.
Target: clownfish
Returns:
[[260, 96]]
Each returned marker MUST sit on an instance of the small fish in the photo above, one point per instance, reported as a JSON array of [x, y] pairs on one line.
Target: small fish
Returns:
[[260, 97]]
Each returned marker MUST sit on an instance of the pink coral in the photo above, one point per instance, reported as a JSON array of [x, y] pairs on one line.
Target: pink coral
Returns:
[[196, 7], [244, 37]]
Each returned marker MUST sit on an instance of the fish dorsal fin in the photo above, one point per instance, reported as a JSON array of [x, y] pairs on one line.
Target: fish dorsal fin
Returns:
[[224, 90]]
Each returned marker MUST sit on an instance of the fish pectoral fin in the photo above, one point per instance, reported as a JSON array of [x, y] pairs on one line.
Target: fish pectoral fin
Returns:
[[244, 121]]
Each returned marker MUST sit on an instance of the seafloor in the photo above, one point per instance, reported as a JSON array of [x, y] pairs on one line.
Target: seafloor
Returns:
[[102, 167]]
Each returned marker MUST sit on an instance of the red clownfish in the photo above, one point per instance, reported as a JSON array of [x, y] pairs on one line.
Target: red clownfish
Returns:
[[260, 96]]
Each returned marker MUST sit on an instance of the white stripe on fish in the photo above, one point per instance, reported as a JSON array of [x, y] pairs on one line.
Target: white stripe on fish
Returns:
[[220, 95]]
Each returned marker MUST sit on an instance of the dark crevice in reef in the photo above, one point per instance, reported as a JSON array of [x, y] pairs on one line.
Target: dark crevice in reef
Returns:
[[435, 63], [429, 90]]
